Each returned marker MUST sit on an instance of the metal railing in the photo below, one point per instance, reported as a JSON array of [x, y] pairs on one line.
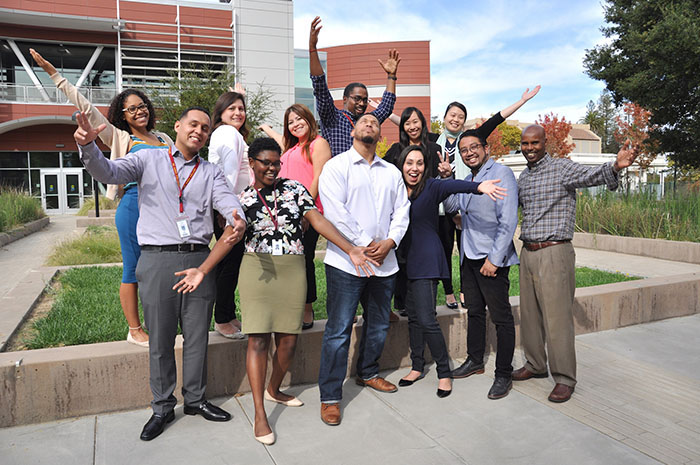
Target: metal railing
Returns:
[[30, 94]]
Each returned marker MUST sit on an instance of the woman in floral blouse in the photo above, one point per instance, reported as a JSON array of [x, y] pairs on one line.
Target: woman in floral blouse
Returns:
[[272, 282]]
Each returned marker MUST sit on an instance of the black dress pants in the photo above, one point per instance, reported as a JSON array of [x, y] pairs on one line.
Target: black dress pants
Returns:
[[226, 276], [480, 292], [310, 239]]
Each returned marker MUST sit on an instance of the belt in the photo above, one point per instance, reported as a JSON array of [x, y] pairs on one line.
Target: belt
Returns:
[[532, 246], [176, 248]]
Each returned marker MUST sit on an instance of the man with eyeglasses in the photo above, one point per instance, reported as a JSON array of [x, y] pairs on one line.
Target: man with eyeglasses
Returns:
[[487, 255], [336, 125]]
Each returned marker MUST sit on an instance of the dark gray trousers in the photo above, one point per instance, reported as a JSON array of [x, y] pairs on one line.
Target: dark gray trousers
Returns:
[[163, 310]]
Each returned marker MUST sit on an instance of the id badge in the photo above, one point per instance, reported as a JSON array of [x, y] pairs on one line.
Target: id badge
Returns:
[[183, 226], [277, 247]]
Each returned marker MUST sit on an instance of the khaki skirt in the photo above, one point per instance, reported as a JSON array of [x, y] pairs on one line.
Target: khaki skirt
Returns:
[[273, 293]]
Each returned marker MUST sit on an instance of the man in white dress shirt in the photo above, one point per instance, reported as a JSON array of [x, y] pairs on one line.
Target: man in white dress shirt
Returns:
[[365, 198]]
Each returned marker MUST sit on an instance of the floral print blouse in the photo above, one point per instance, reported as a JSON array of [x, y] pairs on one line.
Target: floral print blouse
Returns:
[[293, 201]]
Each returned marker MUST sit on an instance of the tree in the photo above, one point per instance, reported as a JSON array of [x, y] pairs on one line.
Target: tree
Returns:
[[556, 132], [202, 87], [602, 119], [653, 58], [511, 136], [636, 128], [436, 125], [495, 142]]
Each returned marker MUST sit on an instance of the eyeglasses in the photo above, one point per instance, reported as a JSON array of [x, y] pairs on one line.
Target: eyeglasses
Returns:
[[471, 148], [358, 99], [133, 109], [268, 163]]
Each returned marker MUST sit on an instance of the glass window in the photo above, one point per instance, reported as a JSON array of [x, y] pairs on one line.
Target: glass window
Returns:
[[13, 160], [15, 178], [87, 184], [43, 159], [71, 160], [35, 185]]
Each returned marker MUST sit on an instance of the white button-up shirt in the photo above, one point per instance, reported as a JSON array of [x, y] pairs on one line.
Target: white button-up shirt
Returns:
[[365, 202]]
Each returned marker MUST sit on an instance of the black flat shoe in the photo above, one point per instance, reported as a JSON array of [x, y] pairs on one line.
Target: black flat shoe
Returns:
[[209, 411], [463, 304], [403, 313], [442, 393], [500, 388], [408, 382], [155, 425], [305, 325], [452, 305], [468, 368]]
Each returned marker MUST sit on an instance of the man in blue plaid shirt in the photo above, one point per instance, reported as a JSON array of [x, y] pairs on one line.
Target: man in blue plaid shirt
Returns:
[[547, 194], [336, 125]]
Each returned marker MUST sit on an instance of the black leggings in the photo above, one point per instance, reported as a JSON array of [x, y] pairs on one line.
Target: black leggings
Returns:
[[446, 231]]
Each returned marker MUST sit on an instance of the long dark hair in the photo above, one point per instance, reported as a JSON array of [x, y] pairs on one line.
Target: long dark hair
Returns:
[[402, 159], [115, 115], [222, 103], [404, 140], [292, 140]]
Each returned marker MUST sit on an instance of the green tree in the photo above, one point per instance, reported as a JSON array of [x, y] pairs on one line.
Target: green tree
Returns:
[[436, 125], [652, 59], [202, 87], [511, 136]]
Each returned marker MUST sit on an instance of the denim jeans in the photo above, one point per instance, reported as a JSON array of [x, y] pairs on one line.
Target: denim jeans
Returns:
[[344, 292], [423, 326]]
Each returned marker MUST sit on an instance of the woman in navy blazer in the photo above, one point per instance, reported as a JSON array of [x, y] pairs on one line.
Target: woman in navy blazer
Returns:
[[425, 261]]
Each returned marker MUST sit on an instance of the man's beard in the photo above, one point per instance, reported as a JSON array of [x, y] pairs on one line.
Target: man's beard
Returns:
[[368, 139]]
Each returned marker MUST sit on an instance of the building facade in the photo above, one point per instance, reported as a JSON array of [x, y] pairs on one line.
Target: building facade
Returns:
[[104, 46]]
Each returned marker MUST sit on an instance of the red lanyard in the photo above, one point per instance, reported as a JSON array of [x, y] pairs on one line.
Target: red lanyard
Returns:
[[177, 179], [272, 217], [351, 123]]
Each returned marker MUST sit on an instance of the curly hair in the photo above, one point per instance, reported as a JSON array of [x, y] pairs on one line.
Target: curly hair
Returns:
[[261, 144], [115, 115]]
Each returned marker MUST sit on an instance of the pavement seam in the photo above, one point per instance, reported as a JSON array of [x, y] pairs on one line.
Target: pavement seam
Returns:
[[252, 425], [408, 421], [94, 441]]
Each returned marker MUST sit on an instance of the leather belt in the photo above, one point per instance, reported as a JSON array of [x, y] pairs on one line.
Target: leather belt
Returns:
[[176, 248], [532, 246]]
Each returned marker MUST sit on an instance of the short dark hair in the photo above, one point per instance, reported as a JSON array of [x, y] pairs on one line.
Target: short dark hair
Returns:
[[458, 105], [351, 86], [115, 114], [472, 133], [194, 108], [402, 159], [369, 114], [261, 144]]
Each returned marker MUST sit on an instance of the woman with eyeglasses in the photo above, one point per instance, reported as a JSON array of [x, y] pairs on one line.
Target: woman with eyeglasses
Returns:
[[273, 281], [425, 262], [130, 122], [227, 149], [305, 153]]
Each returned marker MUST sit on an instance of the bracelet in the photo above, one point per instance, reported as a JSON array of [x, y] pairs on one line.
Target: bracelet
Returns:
[[313, 50], [389, 76]]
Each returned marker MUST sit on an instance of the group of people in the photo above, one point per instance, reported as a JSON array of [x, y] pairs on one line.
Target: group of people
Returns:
[[390, 225]]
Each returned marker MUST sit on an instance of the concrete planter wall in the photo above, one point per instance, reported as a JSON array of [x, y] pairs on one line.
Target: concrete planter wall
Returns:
[[676, 251], [24, 230], [48, 384]]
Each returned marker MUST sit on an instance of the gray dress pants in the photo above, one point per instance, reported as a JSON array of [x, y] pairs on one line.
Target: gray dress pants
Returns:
[[163, 310]]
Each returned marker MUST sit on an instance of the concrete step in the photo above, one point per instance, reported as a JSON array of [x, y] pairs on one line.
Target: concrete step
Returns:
[[101, 221], [91, 213]]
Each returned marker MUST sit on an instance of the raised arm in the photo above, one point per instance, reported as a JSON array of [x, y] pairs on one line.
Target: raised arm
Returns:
[[390, 66], [273, 134], [394, 118], [314, 61], [319, 157], [327, 112], [527, 95]]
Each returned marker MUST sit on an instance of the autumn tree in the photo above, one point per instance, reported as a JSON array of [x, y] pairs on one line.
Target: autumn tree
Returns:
[[556, 132], [652, 58], [635, 126], [511, 136], [436, 125], [495, 142]]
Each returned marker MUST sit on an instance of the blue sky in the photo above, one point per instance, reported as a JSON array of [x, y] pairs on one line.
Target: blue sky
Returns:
[[483, 54]]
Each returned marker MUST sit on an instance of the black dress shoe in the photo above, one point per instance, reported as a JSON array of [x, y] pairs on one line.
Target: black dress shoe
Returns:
[[468, 368], [156, 425], [408, 382], [403, 313], [500, 388], [209, 411], [305, 325], [452, 305], [442, 393]]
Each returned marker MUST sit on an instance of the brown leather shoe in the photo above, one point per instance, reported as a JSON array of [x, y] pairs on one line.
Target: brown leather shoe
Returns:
[[330, 414], [561, 393], [523, 374], [378, 384]]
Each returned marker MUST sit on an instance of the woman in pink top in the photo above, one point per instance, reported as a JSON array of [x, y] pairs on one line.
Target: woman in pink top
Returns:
[[305, 153]]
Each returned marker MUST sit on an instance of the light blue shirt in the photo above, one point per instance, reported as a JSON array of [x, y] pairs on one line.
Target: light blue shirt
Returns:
[[487, 226]]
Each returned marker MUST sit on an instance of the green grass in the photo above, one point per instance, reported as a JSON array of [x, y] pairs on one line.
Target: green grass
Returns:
[[17, 208], [98, 244], [640, 215], [89, 204], [87, 310]]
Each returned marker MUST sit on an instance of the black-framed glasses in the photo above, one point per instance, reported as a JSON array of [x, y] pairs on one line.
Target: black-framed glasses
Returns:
[[133, 109], [471, 148], [268, 163], [358, 99]]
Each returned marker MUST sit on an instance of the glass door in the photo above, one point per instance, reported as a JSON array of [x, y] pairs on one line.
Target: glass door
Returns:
[[51, 191], [73, 183], [61, 190]]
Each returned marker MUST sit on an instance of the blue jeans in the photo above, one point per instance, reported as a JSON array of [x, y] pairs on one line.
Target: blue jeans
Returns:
[[344, 292]]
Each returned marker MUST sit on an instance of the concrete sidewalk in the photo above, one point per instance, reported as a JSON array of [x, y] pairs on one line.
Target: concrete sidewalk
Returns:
[[636, 403]]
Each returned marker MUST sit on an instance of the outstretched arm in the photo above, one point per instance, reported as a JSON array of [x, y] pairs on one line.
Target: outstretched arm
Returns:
[[527, 95], [269, 132], [193, 277], [394, 118], [314, 61]]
